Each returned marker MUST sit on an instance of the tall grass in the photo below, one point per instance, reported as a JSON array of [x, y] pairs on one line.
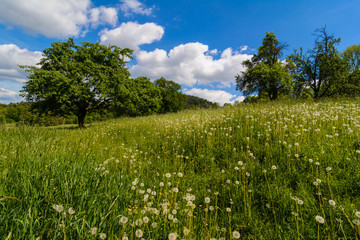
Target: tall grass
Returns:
[[269, 171]]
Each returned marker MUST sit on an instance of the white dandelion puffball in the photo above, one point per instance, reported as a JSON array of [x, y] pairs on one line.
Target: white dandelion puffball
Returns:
[[236, 234], [300, 202], [146, 219], [228, 209], [154, 225], [207, 200], [58, 208], [273, 167], [356, 222], [71, 211], [172, 236], [93, 230], [102, 236], [186, 231], [123, 220], [168, 175], [357, 214], [320, 219], [328, 169], [139, 233], [332, 202]]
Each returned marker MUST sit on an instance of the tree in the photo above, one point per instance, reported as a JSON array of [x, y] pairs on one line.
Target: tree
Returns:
[[351, 56], [143, 98], [77, 78], [172, 98], [265, 72], [321, 69]]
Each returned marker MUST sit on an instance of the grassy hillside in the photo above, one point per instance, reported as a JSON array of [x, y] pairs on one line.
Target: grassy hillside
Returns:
[[270, 171]]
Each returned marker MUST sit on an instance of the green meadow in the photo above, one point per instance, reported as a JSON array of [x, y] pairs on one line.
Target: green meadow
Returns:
[[280, 170]]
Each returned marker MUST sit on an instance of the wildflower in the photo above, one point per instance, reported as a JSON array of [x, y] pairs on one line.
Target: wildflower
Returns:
[[102, 236], [207, 200], [328, 169], [273, 167], [211, 208], [172, 236], [71, 211], [138, 222], [58, 208], [186, 231], [320, 219], [316, 183], [146, 219], [228, 181], [139, 233], [357, 214], [318, 180], [125, 238], [93, 230], [356, 222], [237, 182], [332, 202], [300, 202], [154, 225], [236, 168], [240, 163], [180, 174], [236, 234], [264, 171], [168, 175], [248, 174], [161, 184], [228, 210], [310, 160], [317, 163], [123, 220]]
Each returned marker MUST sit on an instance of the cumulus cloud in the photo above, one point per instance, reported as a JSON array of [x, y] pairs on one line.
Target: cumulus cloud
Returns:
[[10, 57], [103, 15], [7, 96], [132, 35], [189, 64], [218, 96], [129, 7], [54, 18]]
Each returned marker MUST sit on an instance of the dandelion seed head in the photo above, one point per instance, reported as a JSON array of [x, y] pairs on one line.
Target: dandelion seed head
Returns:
[[172, 236], [236, 234], [332, 202], [139, 233], [102, 236], [320, 219]]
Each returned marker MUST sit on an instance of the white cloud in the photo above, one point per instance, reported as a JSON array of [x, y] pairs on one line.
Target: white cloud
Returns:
[[103, 15], [54, 18], [132, 34], [189, 64], [10, 57], [7, 96], [134, 6], [218, 96]]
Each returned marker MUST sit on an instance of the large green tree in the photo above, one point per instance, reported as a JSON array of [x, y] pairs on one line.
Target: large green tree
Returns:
[[265, 72], [173, 99], [351, 56], [321, 71], [77, 79], [143, 98]]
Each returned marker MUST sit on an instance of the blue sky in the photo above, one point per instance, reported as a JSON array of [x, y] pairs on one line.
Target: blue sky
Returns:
[[200, 43]]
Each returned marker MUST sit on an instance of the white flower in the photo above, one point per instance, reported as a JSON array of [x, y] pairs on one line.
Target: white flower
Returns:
[[248, 174], [228, 210], [58, 208], [236, 234], [180, 174], [138, 222], [161, 184], [93, 230], [332, 202], [186, 231], [172, 236], [320, 219], [310, 160], [71, 211], [154, 225], [240, 163], [102, 236], [357, 214], [125, 238], [328, 169], [123, 220], [145, 219], [168, 175], [139, 233], [318, 180], [356, 222], [207, 200], [300, 202], [273, 167]]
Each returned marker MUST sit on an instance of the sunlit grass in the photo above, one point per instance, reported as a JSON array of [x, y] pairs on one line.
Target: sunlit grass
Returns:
[[271, 171]]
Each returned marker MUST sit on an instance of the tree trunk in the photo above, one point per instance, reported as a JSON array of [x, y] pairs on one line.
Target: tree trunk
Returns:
[[81, 118]]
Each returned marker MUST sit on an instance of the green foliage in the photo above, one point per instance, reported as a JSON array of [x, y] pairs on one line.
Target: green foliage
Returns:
[[265, 72], [143, 98], [172, 98], [77, 79], [351, 56], [321, 69], [193, 102]]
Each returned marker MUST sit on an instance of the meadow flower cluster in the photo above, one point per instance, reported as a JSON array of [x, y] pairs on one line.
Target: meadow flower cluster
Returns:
[[270, 171]]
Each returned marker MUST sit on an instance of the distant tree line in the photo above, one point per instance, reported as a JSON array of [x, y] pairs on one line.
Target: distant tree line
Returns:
[[161, 96], [319, 72]]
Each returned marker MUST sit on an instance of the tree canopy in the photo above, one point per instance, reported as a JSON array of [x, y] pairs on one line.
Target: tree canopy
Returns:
[[265, 72], [77, 78]]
